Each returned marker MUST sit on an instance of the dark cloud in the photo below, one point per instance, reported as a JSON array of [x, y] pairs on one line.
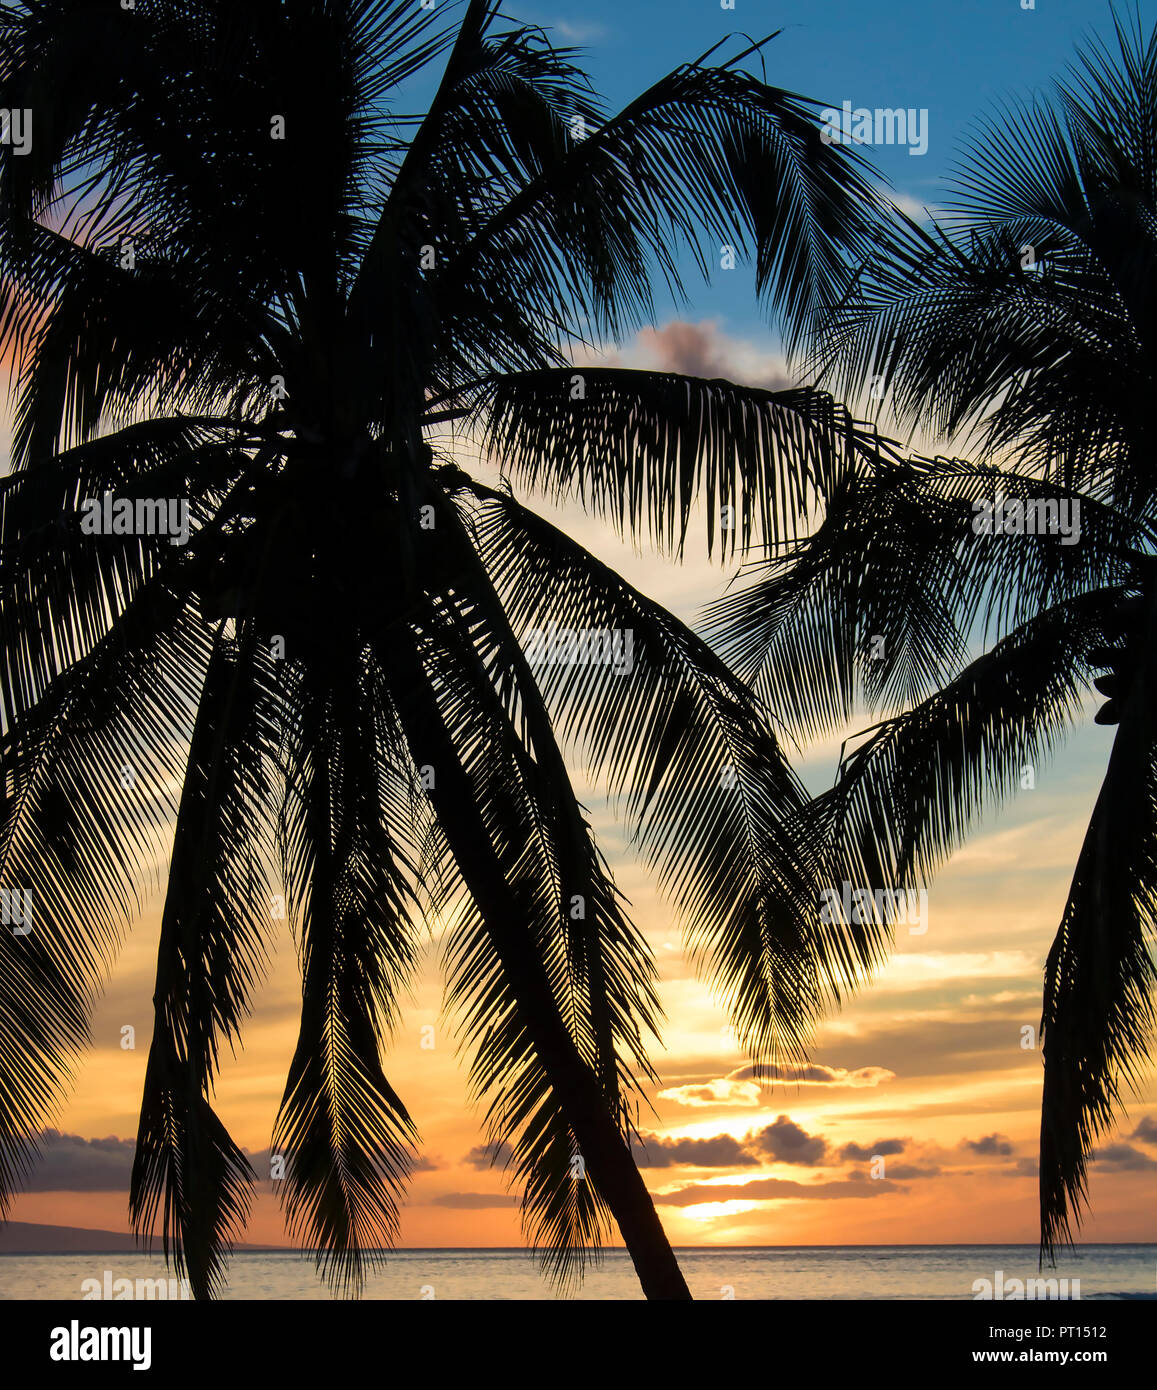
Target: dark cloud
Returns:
[[714, 1151], [489, 1155], [68, 1163], [473, 1201], [1125, 1158], [992, 1145], [864, 1153], [811, 1074], [771, 1190], [781, 1142], [785, 1142], [1146, 1131]]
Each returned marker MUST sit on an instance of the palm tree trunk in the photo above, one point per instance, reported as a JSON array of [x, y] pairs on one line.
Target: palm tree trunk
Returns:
[[605, 1153]]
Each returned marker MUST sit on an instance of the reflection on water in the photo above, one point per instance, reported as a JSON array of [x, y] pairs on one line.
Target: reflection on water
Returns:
[[850, 1272]]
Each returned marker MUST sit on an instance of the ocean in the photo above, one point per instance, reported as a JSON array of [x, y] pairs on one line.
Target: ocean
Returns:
[[763, 1272]]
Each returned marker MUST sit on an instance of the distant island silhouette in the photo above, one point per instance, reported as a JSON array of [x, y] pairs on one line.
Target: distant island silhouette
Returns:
[[32, 1238]]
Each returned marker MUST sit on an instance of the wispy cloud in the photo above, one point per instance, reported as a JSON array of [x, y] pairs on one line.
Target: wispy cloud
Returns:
[[773, 1189], [1146, 1131], [573, 32], [916, 208], [718, 1092]]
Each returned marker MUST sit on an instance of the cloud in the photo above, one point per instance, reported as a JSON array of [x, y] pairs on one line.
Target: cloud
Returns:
[[992, 1145], [1022, 1168], [714, 1151], [746, 1085], [725, 1092], [1002, 996], [484, 1156], [948, 1045], [864, 1153], [812, 1074], [473, 1201], [921, 971], [772, 1190], [700, 349], [785, 1142], [1124, 1158], [577, 33], [916, 208], [1146, 1131], [68, 1163]]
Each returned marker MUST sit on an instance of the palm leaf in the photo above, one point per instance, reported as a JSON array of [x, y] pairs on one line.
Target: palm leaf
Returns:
[[645, 448], [343, 1130], [212, 952], [687, 752]]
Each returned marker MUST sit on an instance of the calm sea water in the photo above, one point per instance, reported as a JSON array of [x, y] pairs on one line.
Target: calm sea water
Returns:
[[850, 1272]]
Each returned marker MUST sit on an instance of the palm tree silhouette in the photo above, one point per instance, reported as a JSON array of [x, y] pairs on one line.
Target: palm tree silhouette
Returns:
[[1026, 321], [236, 278]]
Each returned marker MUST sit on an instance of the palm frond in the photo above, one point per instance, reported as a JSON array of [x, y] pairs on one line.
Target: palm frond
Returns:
[[1098, 1016], [689, 755], [907, 794], [343, 1130], [577, 940], [644, 449], [877, 608], [212, 952], [62, 589], [1025, 319], [86, 805], [707, 156]]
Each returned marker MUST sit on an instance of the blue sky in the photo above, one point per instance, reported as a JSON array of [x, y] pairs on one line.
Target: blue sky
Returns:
[[953, 58]]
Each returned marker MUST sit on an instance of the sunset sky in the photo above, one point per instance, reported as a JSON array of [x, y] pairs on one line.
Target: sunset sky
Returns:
[[926, 1067]]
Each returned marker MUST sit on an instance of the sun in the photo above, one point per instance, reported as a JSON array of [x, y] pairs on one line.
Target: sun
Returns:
[[711, 1211]]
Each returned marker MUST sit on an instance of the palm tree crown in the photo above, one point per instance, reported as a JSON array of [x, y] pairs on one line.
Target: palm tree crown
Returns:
[[236, 277], [1024, 322]]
